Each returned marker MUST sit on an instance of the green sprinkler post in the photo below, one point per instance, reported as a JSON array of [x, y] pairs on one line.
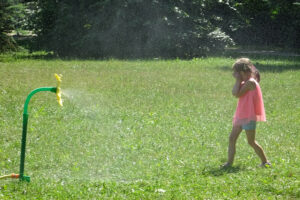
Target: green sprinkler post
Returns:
[[22, 177]]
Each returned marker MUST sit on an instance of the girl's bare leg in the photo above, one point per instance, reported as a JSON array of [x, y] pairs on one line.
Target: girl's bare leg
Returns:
[[236, 130], [258, 149]]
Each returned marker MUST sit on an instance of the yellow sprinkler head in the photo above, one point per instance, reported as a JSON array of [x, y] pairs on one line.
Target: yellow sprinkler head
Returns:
[[58, 89]]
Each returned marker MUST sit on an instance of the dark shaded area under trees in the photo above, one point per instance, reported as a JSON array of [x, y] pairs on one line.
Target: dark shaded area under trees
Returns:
[[149, 28]]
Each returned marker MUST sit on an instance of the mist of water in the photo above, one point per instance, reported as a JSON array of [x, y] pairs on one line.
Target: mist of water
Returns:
[[94, 135]]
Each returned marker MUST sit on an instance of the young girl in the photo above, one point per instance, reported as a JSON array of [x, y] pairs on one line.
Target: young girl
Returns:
[[250, 108]]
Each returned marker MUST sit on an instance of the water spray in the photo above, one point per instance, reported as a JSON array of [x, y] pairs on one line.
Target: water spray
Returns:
[[55, 90]]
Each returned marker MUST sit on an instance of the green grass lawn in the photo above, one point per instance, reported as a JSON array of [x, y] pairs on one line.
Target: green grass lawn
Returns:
[[146, 129]]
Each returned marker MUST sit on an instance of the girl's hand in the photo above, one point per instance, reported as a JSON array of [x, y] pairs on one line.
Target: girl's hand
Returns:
[[237, 76]]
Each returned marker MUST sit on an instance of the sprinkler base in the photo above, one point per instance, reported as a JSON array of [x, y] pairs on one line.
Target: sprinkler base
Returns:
[[25, 178]]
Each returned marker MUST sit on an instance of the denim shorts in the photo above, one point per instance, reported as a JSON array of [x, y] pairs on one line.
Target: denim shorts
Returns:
[[250, 126]]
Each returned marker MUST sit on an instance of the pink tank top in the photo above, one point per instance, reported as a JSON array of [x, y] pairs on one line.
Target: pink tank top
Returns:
[[250, 107]]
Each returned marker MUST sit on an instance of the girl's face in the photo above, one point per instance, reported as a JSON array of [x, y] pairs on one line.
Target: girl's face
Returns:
[[236, 75], [245, 75]]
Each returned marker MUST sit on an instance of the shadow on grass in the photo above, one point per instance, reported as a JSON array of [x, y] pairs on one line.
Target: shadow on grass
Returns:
[[277, 68], [263, 52], [221, 171], [13, 56], [52, 56], [286, 60], [271, 68], [36, 56]]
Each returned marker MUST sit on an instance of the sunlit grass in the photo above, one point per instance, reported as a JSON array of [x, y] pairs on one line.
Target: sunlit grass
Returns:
[[145, 130]]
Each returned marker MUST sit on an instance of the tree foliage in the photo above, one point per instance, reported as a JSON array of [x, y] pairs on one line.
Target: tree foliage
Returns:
[[131, 28], [13, 19], [267, 23], [6, 25], [150, 28]]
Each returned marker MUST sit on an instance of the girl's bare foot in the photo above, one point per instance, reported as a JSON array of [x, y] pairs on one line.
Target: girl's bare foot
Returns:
[[266, 164], [226, 165]]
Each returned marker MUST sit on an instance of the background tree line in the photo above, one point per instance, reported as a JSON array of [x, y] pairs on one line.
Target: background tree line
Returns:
[[149, 28]]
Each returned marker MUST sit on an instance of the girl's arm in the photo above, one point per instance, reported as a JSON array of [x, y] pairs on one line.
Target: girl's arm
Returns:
[[238, 91], [236, 87]]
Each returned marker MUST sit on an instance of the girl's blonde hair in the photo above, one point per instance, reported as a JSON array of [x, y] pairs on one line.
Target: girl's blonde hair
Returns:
[[245, 65]]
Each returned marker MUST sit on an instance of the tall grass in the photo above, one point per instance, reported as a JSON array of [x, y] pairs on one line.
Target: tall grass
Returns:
[[146, 129]]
